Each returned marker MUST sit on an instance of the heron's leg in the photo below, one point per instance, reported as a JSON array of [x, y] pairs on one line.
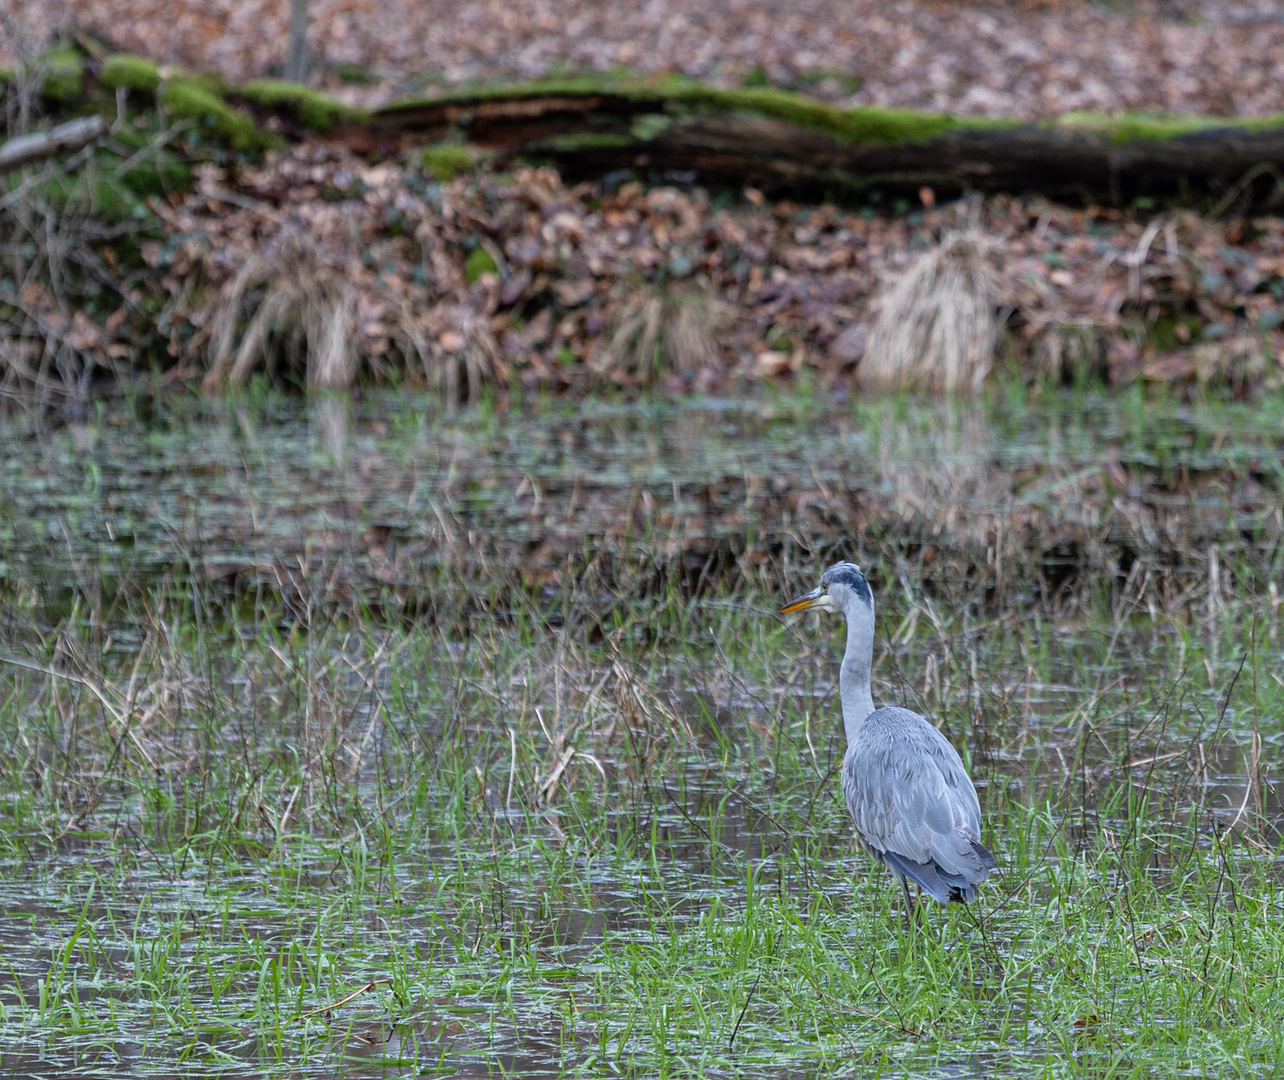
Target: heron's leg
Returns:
[[910, 907]]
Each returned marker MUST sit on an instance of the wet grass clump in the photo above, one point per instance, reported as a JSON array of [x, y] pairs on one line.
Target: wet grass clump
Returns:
[[591, 823]]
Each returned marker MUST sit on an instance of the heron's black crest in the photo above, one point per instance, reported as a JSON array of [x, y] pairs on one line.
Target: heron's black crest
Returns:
[[846, 573]]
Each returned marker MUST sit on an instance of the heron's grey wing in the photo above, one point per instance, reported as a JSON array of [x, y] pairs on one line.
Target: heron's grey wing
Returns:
[[914, 804]]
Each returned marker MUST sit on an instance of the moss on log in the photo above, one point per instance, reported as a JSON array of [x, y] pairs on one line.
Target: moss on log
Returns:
[[781, 140], [122, 71], [760, 135], [193, 99], [311, 108]]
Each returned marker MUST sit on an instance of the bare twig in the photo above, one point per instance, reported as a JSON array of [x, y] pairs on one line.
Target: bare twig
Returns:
[[63, 139], [373, 984]]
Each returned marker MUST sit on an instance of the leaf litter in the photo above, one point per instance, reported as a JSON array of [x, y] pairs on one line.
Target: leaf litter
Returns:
[[521, 278], [361, 268], [1026, 59]]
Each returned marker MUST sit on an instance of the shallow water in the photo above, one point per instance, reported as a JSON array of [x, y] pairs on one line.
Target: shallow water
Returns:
[[383, 490], [497, 927]]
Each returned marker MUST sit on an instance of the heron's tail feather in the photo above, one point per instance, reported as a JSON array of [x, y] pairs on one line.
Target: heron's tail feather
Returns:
[[937, 882], [987, 860], [927, 875]]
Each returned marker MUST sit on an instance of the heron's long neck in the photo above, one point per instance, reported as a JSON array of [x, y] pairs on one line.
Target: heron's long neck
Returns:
[[853, 677]]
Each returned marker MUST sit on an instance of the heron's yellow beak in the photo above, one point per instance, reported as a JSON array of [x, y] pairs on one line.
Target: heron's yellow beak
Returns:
[[810, 600]]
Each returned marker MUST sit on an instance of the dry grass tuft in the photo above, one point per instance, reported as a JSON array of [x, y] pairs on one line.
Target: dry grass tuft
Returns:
[[1069, 351], [459, 352], [934, 328], [290, 298], [630, 351], [691, 332], [653, 331], [1239, 363]]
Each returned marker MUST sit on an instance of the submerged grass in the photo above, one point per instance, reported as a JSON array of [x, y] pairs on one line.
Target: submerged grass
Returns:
[[585, 828]]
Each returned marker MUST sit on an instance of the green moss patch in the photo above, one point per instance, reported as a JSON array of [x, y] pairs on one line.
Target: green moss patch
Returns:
[[1126, 127], [1261, 123], [64, 73], [1156, 127], [61, 70], [864, 125], [314, 109], [188, 96], [1170, 332], [650, 126], [579, 142], [156, 178], [678, 97], [444, 163], [123, 71], [206, 80], [114, 189], [479, 262], [191, 98], [109, 199], [669, 100]]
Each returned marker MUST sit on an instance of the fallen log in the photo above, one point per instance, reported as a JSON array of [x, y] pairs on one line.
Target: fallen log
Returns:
[[777, 140], [63, 139]]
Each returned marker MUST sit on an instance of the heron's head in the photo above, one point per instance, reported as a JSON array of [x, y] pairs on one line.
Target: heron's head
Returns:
[[841, 587]]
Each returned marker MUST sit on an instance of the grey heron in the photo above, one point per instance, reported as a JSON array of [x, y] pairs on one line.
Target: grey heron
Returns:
[[915, 808]]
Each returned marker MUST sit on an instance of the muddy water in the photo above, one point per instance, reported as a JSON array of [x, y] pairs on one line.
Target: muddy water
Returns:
[[1006, 509]]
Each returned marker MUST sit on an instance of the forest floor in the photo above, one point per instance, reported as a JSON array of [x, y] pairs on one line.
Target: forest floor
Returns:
[[466, 270], [1023, 59], [562, 285]]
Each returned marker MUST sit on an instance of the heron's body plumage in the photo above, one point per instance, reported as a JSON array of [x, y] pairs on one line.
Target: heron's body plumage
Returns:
[[914, 807]]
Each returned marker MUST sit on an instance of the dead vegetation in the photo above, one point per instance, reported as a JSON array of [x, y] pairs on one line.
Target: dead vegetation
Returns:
[[1070, 352], [63, 302], [320, 705], [654, 331], [317, 264], [286, 296], [331, 263], [491, 279], [935, 328], [465, 357], [298, 301], [51, 264]]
